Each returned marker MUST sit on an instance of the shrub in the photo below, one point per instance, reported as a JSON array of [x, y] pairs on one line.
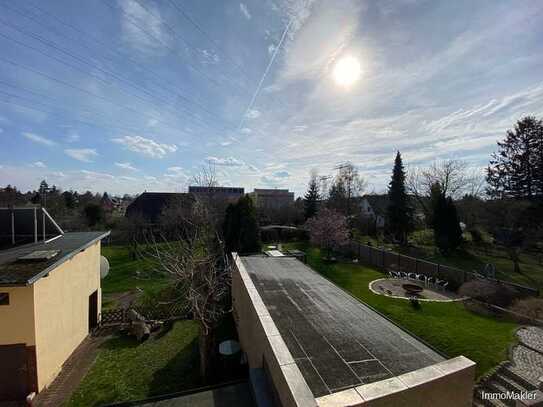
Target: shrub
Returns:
[[489, 292], [529, 307]]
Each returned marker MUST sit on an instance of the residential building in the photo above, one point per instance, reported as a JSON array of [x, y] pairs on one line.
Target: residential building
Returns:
[[150, 206], [228, 194], [373, 208], [315, 345], [50, 298], [272, 198]]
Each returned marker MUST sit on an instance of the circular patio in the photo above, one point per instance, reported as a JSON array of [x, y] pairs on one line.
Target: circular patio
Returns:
[[403, 288]]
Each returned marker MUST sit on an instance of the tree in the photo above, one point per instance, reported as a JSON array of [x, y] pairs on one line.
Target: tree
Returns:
[[311, 198], [447, 231], [399, 215], [240, 227], [328, 230], [347, 185], [200, 268], [453, 177], [516, 170], [94, 214]]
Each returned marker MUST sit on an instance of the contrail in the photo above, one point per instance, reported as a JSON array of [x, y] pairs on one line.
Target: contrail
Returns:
[[257, 91]]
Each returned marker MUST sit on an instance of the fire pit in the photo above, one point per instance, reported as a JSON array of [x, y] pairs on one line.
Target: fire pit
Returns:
[[412, 289]]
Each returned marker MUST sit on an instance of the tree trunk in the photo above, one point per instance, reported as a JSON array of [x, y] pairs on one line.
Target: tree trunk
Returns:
[[206, 345]]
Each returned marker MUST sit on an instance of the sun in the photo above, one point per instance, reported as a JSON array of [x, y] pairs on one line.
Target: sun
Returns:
[[347, 71]]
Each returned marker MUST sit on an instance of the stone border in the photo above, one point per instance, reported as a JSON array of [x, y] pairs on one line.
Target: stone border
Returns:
[[406, 298], [393, 388], [300, 393]]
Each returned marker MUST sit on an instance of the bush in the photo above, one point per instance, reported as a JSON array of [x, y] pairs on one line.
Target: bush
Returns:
[[476, 236], [530, 308], [489, 292]]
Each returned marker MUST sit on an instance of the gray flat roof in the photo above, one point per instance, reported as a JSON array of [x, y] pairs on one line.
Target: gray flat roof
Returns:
[[15, 273], [337, 341]]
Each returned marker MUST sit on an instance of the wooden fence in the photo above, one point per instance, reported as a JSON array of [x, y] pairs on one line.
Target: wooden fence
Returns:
[[388, 260], [157, 312]]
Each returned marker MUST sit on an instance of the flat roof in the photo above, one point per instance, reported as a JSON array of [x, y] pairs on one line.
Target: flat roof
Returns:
[[336, 341], [17, 273]]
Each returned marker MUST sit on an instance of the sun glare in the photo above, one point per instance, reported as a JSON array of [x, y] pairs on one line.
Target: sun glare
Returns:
[[347, 71]]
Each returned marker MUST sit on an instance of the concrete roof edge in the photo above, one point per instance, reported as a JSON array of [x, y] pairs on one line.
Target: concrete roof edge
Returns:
[[296, 381]]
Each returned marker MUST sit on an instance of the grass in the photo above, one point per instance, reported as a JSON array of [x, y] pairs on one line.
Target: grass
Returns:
[[472, 257], [127, 370], [448, 327], [126, 274]]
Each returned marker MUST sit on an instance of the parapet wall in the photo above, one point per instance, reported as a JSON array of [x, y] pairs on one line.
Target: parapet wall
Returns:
[[262, 343]]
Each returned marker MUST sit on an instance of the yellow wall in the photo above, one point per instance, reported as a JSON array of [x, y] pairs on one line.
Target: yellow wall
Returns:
[[61, 305], [17, 318]]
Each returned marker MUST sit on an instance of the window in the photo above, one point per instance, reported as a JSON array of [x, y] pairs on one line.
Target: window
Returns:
[[4, 298]]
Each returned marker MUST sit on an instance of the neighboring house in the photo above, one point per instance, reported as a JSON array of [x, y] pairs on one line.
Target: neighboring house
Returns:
[[150, 206], [374, 207], [272, 198], [50, 299], [228, 194]]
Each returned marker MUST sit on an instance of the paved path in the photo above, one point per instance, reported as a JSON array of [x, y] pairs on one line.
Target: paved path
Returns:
[[73, 371], [527, 356]]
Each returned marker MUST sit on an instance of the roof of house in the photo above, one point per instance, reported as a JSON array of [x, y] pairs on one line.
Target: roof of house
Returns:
[[16, 273], [150, 205], [336, 341]]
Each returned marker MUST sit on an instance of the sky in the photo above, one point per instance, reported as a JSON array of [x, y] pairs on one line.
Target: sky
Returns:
[[131, 95]]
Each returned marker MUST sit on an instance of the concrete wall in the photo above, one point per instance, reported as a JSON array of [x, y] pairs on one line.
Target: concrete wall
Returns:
[[262, 343], [445, 384], [17, 318], [61, 306]]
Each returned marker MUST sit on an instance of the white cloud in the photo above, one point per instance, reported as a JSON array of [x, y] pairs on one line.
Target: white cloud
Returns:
[[72, 137], [245, 11], [89, 175], [143, 28], [226, 162], [245, 130], [209, 57], [253, 114], [281, 174], [126, 166], [82, 154], [145, 146], [38, 164], [39, 139]]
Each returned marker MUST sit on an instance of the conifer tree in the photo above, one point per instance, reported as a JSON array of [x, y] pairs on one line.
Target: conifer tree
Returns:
[[399, 215], [311, 198], [516, 170]]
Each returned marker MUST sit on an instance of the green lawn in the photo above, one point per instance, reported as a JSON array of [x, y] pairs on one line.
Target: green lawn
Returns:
[[126, 275], [472, 257], [448, 327], [127, 370]]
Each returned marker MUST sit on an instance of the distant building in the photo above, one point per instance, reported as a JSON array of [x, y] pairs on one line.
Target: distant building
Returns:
[[272, 198], [50, 298], [374, 207], [150, 206], [230, 194]]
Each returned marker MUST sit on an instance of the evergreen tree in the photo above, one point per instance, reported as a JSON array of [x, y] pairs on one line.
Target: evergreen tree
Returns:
[[516, 171], [311, 198], [447, 231], [240, 227], [399, 216]]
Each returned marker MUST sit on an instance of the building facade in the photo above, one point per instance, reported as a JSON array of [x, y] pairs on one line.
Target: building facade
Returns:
[[229, 194], [48, 306], [272, 198]]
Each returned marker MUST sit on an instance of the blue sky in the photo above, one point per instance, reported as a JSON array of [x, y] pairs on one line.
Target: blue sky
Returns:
[[132, 95]]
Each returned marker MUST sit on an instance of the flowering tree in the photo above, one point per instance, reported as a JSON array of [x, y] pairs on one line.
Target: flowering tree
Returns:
[[328, 230]]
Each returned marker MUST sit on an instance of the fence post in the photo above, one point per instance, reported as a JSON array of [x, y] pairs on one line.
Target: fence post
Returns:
[[383, 251], [416, 266], [399, 262], [438, 269]]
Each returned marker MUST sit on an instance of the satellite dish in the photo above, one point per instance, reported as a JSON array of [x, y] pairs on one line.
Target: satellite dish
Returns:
[[104, 267]]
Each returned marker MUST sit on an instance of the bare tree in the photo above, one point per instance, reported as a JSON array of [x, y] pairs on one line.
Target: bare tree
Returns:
[[453, 177], [200, 269]]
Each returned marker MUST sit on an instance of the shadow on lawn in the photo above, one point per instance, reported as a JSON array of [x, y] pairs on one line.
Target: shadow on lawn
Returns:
[[182, 372]]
